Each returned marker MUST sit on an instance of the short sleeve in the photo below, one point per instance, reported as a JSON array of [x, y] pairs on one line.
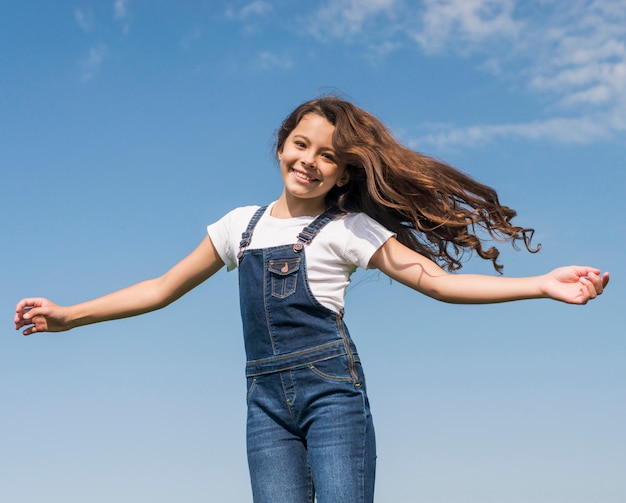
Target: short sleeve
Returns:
[[226, 233], [366, 236]]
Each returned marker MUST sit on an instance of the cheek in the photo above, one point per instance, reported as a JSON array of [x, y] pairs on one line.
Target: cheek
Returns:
[[343, 176], [285, 156]]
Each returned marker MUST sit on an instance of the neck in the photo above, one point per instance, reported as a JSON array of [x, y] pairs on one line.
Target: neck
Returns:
[[287, 207]]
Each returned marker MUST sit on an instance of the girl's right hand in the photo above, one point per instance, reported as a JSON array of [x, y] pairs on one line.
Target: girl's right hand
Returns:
[[40, 315]]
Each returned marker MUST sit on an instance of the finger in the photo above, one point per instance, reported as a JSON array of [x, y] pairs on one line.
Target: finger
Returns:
[[598, 282], [21, 323], [23, 304], [605, 279], [29, 317], [29, 303], [585, 270], [38, 323], [30, 330], [20, 320], [590, 287]]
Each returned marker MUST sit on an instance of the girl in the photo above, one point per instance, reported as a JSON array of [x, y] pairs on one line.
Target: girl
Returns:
[[353, 196]]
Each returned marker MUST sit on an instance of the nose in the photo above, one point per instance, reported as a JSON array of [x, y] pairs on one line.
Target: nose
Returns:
[[308, 159]]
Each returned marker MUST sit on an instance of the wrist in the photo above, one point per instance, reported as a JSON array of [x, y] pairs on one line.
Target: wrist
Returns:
[[73, 317], [542, 286]]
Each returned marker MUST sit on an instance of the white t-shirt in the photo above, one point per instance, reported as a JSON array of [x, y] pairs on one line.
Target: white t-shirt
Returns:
[[339, 248]]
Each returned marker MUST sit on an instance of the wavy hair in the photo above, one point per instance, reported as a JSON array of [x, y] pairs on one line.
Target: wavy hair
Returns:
[[433, 208]]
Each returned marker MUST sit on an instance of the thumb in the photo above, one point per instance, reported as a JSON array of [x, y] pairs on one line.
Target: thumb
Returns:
[[31, 312]]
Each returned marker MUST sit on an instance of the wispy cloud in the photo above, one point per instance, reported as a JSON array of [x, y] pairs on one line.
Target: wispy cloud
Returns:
[[346, 18], [580, 130], [92, 63], [84, 19], [255, 8], [121, 14], [191, 38], [464, 23], [252, 9], [120, 9], [582, 55], [267, 59], [575, 56], [252, 15]]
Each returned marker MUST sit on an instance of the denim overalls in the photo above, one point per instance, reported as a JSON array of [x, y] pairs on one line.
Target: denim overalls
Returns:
[[309, 428]]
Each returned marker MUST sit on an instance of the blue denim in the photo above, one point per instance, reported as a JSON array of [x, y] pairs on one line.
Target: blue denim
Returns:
[[309, 429]]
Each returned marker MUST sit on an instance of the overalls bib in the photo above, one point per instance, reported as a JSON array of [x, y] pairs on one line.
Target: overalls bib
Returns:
[[309, 427]]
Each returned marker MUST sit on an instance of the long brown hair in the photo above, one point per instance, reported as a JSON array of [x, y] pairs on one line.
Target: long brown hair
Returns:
[[433, 208]]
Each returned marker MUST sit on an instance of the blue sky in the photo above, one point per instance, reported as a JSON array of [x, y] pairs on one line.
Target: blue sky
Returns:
[[127, 126]]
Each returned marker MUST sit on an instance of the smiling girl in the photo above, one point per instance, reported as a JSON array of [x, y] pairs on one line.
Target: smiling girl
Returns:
[[352, 197]]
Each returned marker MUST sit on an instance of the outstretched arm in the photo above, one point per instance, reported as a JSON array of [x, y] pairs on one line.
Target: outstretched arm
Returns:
[[574, 284], [41, 315]]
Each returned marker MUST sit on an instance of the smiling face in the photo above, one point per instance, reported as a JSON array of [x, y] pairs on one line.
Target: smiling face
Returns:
[[309, 167]]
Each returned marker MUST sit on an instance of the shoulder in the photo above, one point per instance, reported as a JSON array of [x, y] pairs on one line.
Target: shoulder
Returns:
[[236, 217], [356, 237], [242, 212], [226, 232], [235, 221], [362, 226]]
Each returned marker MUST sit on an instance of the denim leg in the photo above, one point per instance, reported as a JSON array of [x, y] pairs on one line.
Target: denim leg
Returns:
[[310, 434], [277, 454], [339, 433], [342, 455]]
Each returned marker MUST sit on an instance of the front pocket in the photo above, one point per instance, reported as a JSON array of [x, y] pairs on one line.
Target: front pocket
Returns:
[[333, 369], [284, 276]]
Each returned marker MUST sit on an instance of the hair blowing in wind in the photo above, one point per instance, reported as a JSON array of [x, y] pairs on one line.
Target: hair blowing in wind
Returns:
[[434, 209]]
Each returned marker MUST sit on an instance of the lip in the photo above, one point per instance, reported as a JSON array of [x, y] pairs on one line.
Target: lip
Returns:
[[308, 179]]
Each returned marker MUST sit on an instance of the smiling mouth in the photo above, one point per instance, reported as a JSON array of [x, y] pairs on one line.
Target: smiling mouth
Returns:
[[303, 176]]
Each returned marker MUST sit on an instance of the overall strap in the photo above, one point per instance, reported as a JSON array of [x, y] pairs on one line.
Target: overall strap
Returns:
[[310, 231], [246, 236]]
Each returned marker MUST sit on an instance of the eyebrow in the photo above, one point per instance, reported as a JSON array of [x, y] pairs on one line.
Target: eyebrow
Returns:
[[305, 137]]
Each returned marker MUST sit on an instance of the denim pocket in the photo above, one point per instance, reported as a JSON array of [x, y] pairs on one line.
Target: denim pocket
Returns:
[[334, 369], [284, 276]]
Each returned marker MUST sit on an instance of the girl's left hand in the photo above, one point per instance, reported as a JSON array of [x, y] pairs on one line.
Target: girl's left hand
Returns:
[[574, 284]]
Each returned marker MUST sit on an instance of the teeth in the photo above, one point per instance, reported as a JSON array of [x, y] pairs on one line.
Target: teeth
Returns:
[[302, 176]]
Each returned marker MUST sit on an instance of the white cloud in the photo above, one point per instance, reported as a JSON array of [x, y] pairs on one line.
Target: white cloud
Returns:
[[83, 19], [345, 18], [270, 60], [573, 55], [434, 24], [255, 8], [120, 9], [191, 38], [92, 63], [582, 58], [465, 22], [377, 51], [579, 130], [120, 13]]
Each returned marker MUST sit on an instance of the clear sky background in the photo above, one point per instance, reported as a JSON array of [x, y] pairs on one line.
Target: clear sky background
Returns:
[[127, 126]]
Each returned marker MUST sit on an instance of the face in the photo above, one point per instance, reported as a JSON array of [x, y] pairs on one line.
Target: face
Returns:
[[309, 164]]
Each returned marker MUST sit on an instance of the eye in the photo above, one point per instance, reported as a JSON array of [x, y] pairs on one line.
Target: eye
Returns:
[[328, 156], [299, 143]]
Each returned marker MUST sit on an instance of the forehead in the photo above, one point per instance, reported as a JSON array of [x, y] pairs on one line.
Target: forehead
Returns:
[[315, 127]]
